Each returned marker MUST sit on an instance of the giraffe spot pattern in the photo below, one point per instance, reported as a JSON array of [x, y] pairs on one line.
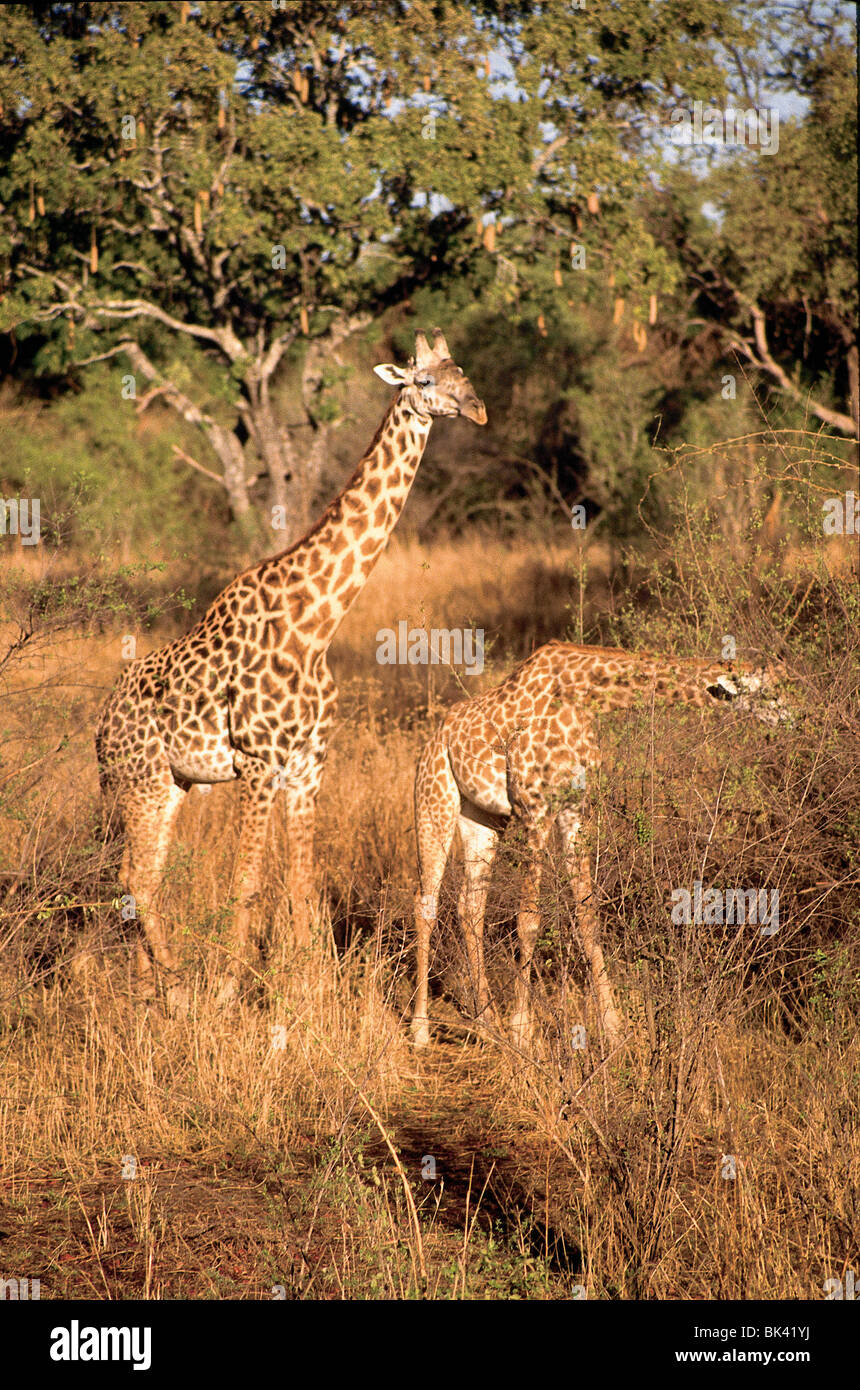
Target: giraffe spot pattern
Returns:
[[249, 689]]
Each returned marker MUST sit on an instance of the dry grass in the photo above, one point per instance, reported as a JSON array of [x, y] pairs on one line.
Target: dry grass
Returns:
[[282, 1148]]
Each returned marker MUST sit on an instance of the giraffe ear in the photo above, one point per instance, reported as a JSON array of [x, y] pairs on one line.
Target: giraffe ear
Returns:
[[393, 376]]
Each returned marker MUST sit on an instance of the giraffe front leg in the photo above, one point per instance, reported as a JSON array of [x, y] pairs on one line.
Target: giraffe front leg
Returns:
[[579, 868], [148, 813], [301, 816], [302, 775], [610, 1018]]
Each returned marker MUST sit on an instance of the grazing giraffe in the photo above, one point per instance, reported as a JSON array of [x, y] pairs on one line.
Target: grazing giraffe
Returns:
[[248, 693], [515, 753]]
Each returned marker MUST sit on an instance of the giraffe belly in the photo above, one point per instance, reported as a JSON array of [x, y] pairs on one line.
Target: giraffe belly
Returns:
[[482, 780], [488, 793], [215, 765], [202, 756]]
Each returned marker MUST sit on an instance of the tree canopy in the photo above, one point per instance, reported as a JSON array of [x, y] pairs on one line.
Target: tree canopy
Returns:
[[256, 182]]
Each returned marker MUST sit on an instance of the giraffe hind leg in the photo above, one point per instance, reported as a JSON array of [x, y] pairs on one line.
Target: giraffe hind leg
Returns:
[[479, 842], [437, 805]]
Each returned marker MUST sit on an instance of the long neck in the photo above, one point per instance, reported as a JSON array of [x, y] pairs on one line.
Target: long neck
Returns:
[[339, 552], [618, 680]]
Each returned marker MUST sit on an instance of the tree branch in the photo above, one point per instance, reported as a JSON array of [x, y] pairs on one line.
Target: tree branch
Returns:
[[764, 361], [186, 458], [180, 402], [126, 309], [547, 153], [761, 357]]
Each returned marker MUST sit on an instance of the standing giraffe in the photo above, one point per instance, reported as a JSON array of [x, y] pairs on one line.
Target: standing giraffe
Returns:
[[514, 754], [248, 693]]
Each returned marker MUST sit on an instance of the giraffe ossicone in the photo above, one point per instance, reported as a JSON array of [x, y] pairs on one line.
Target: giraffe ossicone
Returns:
[[247, 694], [524, 752]]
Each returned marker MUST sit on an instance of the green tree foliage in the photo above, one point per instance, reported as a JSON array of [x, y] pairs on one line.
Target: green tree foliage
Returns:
[[257, 182], [104, 476], [773, 267]]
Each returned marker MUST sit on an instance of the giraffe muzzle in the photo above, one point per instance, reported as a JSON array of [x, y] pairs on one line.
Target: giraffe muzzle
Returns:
[[474, 410]]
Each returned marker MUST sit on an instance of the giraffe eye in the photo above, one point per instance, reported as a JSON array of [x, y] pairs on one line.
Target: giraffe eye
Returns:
[[425, 381]]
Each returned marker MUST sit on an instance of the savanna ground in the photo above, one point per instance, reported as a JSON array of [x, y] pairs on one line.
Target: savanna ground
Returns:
[[293, 1147]]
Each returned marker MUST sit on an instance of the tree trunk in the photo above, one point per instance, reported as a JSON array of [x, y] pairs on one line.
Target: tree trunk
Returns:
[[286, 481], [286, 516], [232, 458], [316, 461]]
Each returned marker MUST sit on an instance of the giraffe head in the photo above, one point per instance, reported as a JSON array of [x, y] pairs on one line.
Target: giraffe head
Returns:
[[431, 384], [755, 691]]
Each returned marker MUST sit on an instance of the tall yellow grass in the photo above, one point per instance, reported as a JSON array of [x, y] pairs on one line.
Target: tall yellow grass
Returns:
[[302, 1147]]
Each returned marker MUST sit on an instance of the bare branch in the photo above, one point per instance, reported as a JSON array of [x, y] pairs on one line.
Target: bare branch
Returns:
[[761, 357], [186, 458], [180, 402], [100, 356], [126, 309], [764, 361], [150, 397]]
